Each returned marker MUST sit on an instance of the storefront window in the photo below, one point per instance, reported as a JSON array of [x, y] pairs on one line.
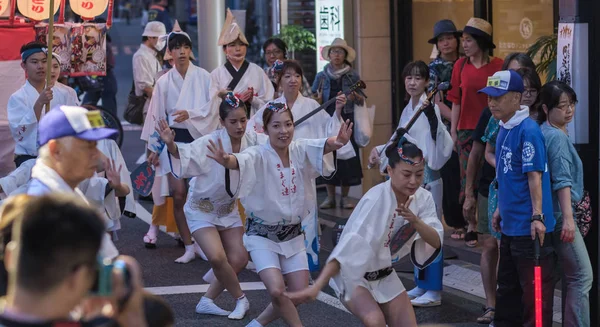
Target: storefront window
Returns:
[[258, 25], [426, 13], [518, 24]]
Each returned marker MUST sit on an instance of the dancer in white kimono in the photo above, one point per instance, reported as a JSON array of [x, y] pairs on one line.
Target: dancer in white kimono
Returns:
[[433, 139], [321, 125], [211, 211], [393, 219], [28, 104], [273, 184], [181, 97], [247, 80]]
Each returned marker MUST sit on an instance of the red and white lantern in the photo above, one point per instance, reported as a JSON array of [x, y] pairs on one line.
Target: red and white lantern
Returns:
[[88, 8], [37, 9]]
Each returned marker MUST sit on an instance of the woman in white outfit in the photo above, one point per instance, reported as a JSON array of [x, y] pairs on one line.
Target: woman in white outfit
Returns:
[[433, 139], [211, 210], [274, 180], [393, 219], [319, 126]]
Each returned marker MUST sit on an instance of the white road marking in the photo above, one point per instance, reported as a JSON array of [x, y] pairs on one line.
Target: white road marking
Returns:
[[115, 50], [145, 216], [127, 50]]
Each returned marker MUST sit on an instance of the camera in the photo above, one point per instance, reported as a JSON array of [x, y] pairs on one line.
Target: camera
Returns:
[[103, 281]]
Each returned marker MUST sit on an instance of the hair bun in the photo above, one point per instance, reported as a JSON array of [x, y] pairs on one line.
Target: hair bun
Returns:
[[230, 98]]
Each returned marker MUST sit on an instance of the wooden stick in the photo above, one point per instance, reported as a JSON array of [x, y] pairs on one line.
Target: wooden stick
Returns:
[[50, 40]]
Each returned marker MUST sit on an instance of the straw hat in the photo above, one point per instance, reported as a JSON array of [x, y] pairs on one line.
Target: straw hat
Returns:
[[339, 43], [480, 27], [231, 31]]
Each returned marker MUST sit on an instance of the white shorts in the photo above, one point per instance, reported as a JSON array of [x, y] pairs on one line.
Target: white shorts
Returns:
[[382, 291], [195, 225], [264, 259]]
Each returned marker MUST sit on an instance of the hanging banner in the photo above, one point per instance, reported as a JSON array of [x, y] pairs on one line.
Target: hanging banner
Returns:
[[61, 43], [564, 50], [81, 47], [329, 25], [4, 5], [88, 8], [88, 48], [36, 9]]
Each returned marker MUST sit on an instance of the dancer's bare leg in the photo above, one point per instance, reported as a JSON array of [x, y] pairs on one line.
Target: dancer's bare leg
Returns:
[[399, 312], [273, 280], [364, 307], [295, 281]]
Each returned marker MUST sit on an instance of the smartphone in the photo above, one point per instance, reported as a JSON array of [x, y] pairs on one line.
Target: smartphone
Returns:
[[103, 283]]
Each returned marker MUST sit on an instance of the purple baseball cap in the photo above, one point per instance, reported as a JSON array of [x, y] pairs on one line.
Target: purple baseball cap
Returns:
[[74, 121]]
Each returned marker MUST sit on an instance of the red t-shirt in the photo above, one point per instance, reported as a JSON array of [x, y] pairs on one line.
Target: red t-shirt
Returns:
[[470, 81]]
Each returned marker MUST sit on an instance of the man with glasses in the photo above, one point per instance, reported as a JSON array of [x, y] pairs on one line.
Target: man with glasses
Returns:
[[525, 212]]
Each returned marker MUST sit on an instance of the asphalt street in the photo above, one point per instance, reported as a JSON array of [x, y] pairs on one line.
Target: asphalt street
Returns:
[[182, 286]]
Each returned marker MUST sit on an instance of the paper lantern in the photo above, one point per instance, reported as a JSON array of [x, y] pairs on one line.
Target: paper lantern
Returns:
[[37, 9], [4, 5], [88, 8]]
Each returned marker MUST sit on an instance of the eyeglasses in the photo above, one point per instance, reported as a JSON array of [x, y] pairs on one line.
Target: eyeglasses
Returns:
[[565, 106], [337, 51], [530, 92], [273, 53]]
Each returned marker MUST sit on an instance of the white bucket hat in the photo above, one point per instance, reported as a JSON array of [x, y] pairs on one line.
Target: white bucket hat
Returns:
[[154, 29]]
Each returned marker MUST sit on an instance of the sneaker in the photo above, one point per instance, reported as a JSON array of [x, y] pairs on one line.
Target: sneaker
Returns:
[[328, 204], [415, 293], [429, 299], [206, 306], [241, 308]]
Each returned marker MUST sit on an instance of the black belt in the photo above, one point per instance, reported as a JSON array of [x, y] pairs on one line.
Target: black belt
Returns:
[[275, 233], [379, 274], [21, 158]]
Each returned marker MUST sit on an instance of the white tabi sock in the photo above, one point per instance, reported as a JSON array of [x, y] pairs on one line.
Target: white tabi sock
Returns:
[[241, 308], [188, 256], [206, 306], [254, 323]]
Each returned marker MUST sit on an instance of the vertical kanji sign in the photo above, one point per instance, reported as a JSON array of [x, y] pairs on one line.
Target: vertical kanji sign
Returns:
[[329, 25]]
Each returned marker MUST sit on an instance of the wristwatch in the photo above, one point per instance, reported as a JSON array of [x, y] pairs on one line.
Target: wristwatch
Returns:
[[539, 218]]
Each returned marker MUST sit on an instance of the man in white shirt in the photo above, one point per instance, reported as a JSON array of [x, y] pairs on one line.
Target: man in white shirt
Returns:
[[26, 106], [145, 63]]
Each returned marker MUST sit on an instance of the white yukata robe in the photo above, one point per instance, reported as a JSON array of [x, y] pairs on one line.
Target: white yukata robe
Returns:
[[45, 180], [171, 93], [319, 126], [364, 244], [274, 195], [207, 198], [254, 77], [21, 116], [436, 153], [112, 209]]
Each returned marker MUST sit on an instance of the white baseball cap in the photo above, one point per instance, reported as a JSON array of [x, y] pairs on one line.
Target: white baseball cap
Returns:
[[154, 29]]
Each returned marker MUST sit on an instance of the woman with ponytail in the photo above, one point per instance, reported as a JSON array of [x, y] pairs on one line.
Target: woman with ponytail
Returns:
[[211, 207]]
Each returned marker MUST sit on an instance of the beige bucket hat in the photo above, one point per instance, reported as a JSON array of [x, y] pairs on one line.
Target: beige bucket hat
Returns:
[[339, 43]]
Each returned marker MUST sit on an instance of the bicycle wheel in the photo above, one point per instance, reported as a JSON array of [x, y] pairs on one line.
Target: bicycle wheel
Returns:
[[111, 121]]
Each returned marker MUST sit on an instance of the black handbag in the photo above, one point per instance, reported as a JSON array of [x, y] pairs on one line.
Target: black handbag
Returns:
[[134, 113]]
